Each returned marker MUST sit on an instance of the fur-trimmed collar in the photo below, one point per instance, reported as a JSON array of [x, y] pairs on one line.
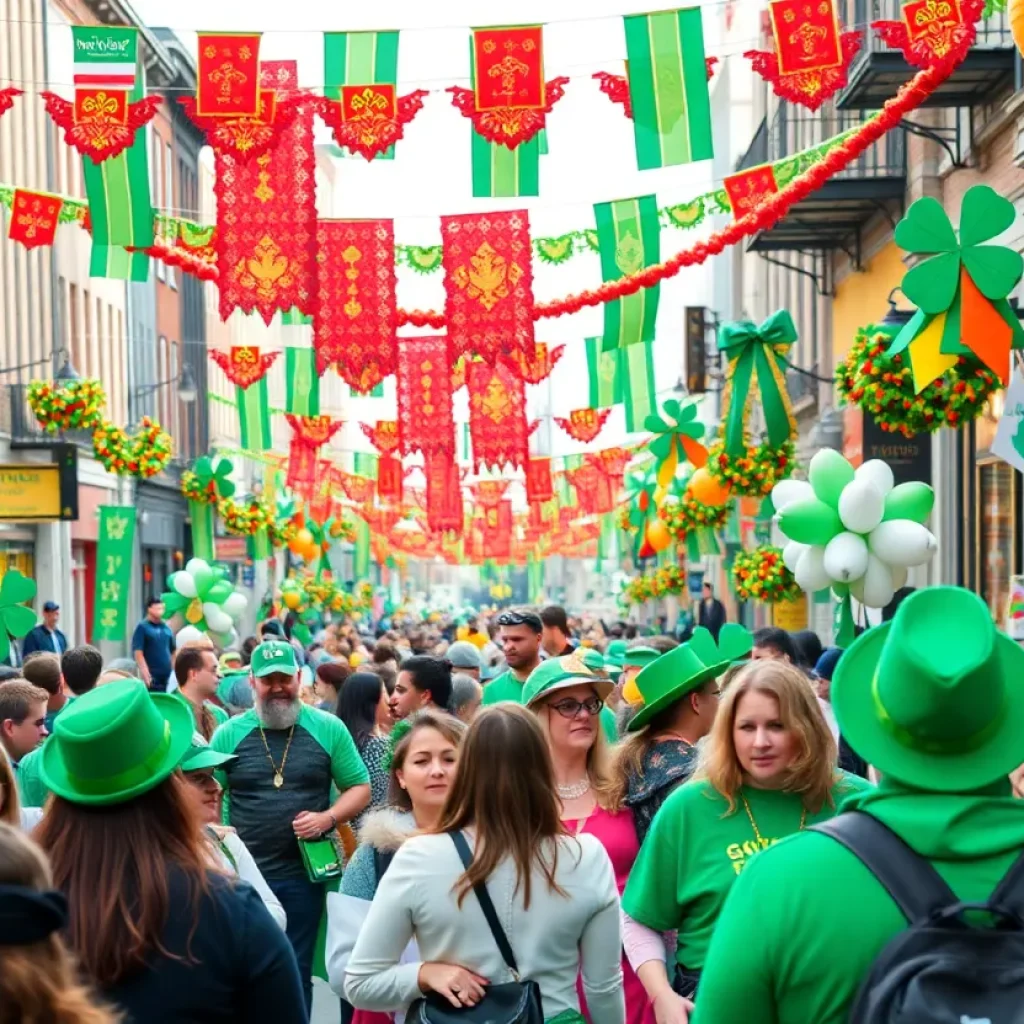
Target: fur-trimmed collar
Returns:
[[387, 829]]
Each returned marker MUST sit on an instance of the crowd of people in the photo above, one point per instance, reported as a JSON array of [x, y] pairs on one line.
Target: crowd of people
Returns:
[[543, 817]]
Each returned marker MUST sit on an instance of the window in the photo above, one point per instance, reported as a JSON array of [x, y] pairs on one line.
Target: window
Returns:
[[75, 346], [156, 182], [173, 426], [102, 350], [157, 403], [90, 342], [169, 205]]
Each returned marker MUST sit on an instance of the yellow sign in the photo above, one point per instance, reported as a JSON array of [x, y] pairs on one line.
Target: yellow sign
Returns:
[[30, 492], [790, 615]]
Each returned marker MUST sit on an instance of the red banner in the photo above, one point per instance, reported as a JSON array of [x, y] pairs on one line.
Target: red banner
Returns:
[[489, 492], [584, 424], [807, 36], [354, 323], [34, 218], [749, 189], [489, 284], [539, 368], [370, 118], [509, 66], [538, 481], [266, 218], [498, 530], [425, 416], [309, 433], [389, 479], [444, 491], [497, 416], [357, 488], [228, 74], [244, 365], [588, 481], [383, 435]]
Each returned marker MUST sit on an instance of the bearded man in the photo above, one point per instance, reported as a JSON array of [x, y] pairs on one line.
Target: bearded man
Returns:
[[277, 791]]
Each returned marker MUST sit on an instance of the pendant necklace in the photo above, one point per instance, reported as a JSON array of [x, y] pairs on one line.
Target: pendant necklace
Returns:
[[278, 772], [753, 824], [574, 790]]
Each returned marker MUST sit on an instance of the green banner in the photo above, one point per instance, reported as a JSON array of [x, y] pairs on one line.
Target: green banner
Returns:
[[361, 552], [638, 392], [201, 515], [113, 572], [629, 239], [303, 383], [254, 416], [603, 369], [668, 88], [502, 172], [534, 578], [365, 464]]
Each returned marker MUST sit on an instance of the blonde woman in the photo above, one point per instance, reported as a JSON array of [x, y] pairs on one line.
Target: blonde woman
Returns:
[[11, 811], [768, 770]]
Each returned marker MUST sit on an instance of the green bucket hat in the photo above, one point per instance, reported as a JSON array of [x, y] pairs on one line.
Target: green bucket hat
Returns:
[[734, 645], [615, 654], [640, 657], [574, 669], [934, 698], [667, 680], [273, 656], [115, 743]]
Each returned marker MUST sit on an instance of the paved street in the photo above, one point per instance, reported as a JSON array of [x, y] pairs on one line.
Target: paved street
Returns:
[[326, 1008]]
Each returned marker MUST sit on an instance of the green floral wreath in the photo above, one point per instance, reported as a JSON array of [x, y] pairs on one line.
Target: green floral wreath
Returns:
[[754, 474], [71, 405], [760, 575]]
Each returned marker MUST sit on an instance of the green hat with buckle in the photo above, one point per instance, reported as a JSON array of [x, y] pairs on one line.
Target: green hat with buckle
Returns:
[[934, 698], [668, 680], [734, 645], [115, 743], [273, 656], [576, 669]]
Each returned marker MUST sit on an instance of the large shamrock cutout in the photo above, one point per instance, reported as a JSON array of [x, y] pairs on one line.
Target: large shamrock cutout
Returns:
[[961, 290], [15, 619], [677, 435]]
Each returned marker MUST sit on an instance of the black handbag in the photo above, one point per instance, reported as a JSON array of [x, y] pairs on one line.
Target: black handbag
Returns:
[[516, 1002]]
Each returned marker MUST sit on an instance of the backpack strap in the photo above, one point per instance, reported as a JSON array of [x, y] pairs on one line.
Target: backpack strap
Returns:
[[914, 885], [1009, 893]]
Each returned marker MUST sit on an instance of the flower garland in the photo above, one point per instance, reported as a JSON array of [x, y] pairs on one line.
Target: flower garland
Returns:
[[243, 518], [623, 521], [143, 454], [664, 582], [342, 529], [755, 474], [688, 515], [760, 575], [282, 532], [75, 405], [883, 386]]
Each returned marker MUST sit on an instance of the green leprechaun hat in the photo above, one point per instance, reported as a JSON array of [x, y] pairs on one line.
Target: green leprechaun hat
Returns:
[[560, 673], [667, 680], [735, 643]]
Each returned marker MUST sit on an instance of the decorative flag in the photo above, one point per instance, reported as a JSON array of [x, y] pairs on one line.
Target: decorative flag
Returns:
[[365, 464], [389, 479], [425, 419], [105, 56], [933, 35], [361, 550], [228, 74], [668, 88], [498, 530], [499, 172], [295, 318], [497, 416], [356, 312], [616, 87], [383, 435], [538, 481], [357, 488], [266, 217], [489, 284], [302, 381], [637, 374], [489, 492], [361, 102], [244, 365], [34, 218], [309, 433], [245, 138], [748, 189], [629, 238], [254, 416], [444, 491], [584, 424], [590, 484], [539, 368], [113, 572], [603, 370]]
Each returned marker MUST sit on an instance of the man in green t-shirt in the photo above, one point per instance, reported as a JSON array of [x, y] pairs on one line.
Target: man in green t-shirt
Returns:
[[520, 635], [195, 668]]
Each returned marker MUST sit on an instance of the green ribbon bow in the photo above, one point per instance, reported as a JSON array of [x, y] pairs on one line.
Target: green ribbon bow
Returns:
[[15, 619], [214, 477], [756, 354]]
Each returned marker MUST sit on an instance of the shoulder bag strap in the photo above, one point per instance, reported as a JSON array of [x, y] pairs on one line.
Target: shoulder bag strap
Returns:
[[914, 885], [486, 905]]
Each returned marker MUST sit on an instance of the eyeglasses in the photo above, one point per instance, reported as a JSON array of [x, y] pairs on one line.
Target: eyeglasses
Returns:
[[200, 778], [570, 708], [520, 619]]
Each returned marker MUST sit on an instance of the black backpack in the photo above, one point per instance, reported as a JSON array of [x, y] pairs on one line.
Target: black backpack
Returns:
[[942, 969]]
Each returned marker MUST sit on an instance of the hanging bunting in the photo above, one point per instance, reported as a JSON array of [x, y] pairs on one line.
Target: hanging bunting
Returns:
[[612, 462], [309, 434], [100, 123], [497, 539], [603, 374], [228, 74], [254, 416], [629, 239], [245, 138], [539, 368], [34, 218], [266, 217], [389, 479], [500, 172], [589, 482], [750, 189], [356, 312], [425, 418], [489, 492], [616, 87], [489, 284], [357, 488], [638, 391], [7, 98], [244, 364], [811, 57], [933, 35], [538, 481], [444, 491], [383, 435], [668, 89], [497, 416], [584, 424], [302, 382]]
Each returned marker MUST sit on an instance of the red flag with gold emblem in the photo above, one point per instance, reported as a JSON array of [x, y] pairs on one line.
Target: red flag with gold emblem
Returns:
[[444, 491], [383, 435], [425, 420], [389, 478], [538, 481], [498, 530], [584, 424], [309, 433], [489, 284], [497, 416], [509, 67], [34, 218], [228, 74], [244, 365], [748, 189]]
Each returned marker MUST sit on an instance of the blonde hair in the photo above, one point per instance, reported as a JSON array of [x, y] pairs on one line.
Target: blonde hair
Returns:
[[813, 771], [38, 981], [10, 802]]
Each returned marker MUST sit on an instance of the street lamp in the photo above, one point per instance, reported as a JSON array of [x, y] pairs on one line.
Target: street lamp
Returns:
[[67, 372], [188, 390]]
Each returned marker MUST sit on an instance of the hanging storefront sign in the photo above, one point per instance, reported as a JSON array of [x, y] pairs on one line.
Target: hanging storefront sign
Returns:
[[38, 493], [113, 571]]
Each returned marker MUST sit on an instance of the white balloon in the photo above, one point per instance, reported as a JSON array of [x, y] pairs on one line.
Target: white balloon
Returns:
[[902, 542], [810, 571], [235, 605], [785, 492], [182, 583], [846, 557], [877, 472], [194, 565], [899, 576], [188, 634], [875, 588], [861, 506], [217, 620], [791, 554]]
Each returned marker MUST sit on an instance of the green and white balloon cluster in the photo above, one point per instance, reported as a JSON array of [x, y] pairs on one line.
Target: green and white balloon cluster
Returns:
[[855, 531], [205, 600]]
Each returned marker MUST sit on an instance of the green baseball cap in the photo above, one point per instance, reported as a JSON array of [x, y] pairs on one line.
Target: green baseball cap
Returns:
[[201, 755], [560, 673], [273, 656]]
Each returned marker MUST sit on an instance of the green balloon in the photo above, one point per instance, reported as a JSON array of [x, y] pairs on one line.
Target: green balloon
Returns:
[[203, 579], [841, 589], [829, 474], [810, 521], [219, 592], [913, 501]]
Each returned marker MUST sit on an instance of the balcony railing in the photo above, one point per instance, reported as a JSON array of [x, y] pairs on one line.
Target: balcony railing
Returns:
[[993, 32]]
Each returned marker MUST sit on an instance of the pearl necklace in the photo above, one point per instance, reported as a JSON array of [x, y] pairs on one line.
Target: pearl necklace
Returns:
[[574, 790]]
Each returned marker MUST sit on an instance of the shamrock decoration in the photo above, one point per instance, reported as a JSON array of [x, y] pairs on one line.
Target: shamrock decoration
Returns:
[[204, 598], [677, 438], [642, 512], [15, 619], [214, 478], [961, 290]]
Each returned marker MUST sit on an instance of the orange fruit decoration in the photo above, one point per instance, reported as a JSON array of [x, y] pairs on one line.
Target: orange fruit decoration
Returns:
[[657, 535], [703, 487]]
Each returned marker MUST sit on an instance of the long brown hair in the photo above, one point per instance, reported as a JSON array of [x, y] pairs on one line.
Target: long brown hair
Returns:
[[813, 772], [112, 863], [451, 728], [513, 813], [37, 981], [10, 803]]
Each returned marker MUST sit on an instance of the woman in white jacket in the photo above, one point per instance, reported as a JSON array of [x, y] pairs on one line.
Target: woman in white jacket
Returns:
[[555, 894]]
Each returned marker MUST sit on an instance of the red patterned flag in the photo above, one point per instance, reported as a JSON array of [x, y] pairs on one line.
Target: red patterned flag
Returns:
[[588, 480], [509, 67], [383, 435], [228, 74], [354, 323], [489, 284], [497, 416], [309, 433], [244, 365], [498, 530], [584, 424], [358, 488], [539, 368], [538, 482], [425, 417], [34, 218], [389, 479], [749, 189], [489, 492], [444, 492], [807, 36], [266, 218]]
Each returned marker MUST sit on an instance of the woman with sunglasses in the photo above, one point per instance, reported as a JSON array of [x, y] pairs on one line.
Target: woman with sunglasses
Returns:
[[567, 697], [226, 846]]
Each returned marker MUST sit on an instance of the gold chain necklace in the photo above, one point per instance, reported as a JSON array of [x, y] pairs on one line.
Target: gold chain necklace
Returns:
[[753, 824], [279, 772]]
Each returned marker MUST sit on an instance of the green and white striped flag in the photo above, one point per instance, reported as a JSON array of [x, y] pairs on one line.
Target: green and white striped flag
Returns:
[[365, 464], [294, 317], [629, 239], [303, 382], [606, 539], [360, 58], [604, 371], [254, 416], [361, 552], [668, 88], [636, 371], [500, 171]]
